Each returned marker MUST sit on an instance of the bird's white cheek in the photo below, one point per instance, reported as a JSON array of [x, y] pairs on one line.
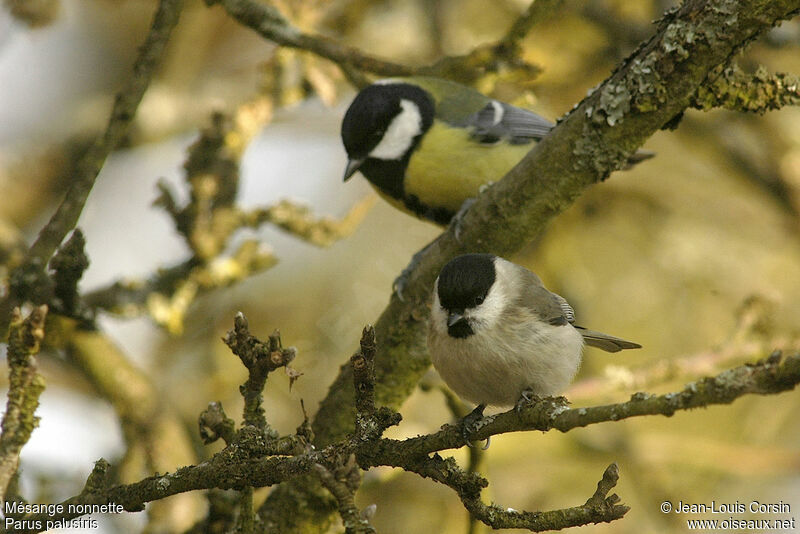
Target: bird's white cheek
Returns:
[[438, 318], [400, 134]]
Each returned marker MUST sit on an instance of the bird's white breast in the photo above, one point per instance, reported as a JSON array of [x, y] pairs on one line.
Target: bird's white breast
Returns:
[[495, 365]]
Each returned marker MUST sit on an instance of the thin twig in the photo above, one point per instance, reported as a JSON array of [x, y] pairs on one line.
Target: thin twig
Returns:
[[537, 12], [82, 181], [268, 22]]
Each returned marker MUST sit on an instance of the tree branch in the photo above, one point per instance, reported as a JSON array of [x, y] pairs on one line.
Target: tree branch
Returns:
[[122, 114], [268, 22], [260, 359], [770, 376], [653, 85], [250, 462], [736, 90], [25, 385], [537, 12]]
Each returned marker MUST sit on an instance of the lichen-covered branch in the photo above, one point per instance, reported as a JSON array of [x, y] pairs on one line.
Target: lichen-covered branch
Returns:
[[737, 90], [653, 85], [299, 221], [370, 422], [249, 461], [770, 376], [342, 480], [599, 508], [155, 437], [214, 424], [260, 359], [25, 385]]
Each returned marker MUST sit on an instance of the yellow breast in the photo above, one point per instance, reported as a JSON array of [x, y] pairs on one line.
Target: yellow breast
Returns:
[[448, 167]]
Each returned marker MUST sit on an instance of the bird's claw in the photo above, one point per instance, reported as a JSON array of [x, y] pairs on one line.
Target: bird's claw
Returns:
[[458, 218], [526, 398], [549, 404], [471, 423], [400, 283]]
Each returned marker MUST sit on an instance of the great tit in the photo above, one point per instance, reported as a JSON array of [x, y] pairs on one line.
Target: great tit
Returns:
[[427, 144], [498, 337]]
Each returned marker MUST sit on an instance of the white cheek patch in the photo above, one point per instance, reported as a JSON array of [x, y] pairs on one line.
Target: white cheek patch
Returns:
[[438, 317], [498, 112], [400, 134], [488, 314]]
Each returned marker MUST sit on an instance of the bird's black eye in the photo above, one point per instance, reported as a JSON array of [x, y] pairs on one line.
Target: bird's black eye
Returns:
[[478, 301]]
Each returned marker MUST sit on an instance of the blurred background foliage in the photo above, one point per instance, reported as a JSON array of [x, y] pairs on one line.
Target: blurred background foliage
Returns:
[[695, 254]]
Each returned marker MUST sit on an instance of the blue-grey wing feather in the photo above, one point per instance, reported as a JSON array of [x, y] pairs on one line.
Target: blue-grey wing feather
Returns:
[[498, 121]]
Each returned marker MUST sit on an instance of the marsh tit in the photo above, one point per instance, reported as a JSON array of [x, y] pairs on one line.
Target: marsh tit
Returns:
[[498, 337], [427, 145]]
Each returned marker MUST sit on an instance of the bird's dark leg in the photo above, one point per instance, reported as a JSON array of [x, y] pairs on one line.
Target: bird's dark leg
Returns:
[[526, 398], [471, 423], [459, 217], [550, 405], [400, 282]]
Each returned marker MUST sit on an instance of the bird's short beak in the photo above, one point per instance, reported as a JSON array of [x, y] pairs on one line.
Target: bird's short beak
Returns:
[[453, 318], [352, 166]]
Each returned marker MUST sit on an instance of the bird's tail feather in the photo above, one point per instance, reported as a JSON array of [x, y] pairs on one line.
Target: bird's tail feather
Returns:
[[637, 157], [606, 342]]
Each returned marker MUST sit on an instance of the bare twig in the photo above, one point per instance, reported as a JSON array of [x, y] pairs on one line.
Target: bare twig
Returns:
[[267, 21], [125, 105], [167, 294], [537, 12]]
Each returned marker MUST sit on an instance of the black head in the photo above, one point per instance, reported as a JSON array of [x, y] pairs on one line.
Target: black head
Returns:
[[463, 285], [373, 110]]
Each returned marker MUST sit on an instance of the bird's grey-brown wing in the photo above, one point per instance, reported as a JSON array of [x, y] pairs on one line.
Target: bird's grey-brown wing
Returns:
[[498, 121], [554, 309], [544, 304]]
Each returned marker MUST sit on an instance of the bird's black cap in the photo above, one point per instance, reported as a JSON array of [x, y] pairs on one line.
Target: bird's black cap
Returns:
[[465, 281], [373, 109]]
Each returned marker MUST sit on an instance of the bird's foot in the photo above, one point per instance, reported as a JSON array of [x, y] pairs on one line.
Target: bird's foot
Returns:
[[458, 218], [549, 403], [526, 398], [471, 423], [401, 281]]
